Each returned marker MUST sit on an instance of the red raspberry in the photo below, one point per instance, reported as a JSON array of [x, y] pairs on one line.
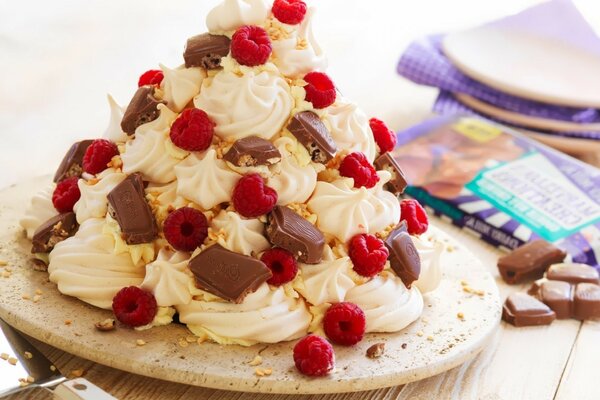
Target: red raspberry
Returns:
[[134, 306], [282, 264], [314, 356], [356, 166], [320, 90], [251, 46], [289, 11], [185, 229], [415, 216], [384, 136], [151, 77], [344, 323], [252, 198], [193, 130], [368, 254], [66, 195], [98, 155]]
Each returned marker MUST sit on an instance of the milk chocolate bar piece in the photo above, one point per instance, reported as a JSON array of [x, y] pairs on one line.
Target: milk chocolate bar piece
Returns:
[[529, 261], [141, 110], [586, 301], [398, 183], [559, 297], [252, 151], [290, 231], [231, 276], [128, 206], [573, 273], [404, 257], [520, 309], [308, 128], [54, 231], [206, 51], [71, 164]]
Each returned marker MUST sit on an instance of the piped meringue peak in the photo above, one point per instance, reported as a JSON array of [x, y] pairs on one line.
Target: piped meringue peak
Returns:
[[250, 143]]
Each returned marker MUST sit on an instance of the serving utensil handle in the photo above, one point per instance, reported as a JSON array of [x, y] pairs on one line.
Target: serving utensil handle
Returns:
[[80, 389]]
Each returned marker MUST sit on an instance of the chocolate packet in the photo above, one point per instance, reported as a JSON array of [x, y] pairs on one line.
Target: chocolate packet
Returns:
[[501, 186]]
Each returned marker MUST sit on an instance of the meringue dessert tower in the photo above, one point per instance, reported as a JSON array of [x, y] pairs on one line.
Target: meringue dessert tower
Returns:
[[240, 191]]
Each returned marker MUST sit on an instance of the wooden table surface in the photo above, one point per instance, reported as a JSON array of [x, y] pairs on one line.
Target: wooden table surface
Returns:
[[59, 58]]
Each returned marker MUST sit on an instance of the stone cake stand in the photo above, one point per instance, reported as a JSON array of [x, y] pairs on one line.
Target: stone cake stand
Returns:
[[437, 342]]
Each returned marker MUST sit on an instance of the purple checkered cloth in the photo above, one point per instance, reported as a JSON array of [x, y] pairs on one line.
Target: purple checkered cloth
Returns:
[[424, 63], [447, 104]]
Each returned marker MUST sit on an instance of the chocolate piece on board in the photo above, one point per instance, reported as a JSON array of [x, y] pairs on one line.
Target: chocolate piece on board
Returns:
[[231, 276], [54, 231], [559, 297], [71, 164], [308, 128], [586, 301], [206, 51], [128, 206], [520, 309], [529, 261], [142, 108], [252, 151], [404, 257], [398, 183], [290, 231], [573, 273]]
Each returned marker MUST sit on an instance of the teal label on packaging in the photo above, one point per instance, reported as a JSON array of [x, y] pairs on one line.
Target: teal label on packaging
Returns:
[[536, 194]]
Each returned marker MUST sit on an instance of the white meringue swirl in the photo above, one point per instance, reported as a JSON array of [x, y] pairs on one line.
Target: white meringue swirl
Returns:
[[181, 85], [245, 236], [293, 183], [343, 211], [169, 279], [388, 305], [93, 202], [85, 266], [39, 211], [231, 14], [326, 282], [253, 104], [349, 127], [265, 316], [113, 131], [148, 152], [205, 179], [431, 272], [299, 53]]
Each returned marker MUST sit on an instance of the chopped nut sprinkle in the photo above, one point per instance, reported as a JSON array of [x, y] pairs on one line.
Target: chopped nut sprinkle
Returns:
[[256, 361], [3, 263], [37, 298], [38, 291], [12, 361], [420, 333], [430, 338], [183, 342], [76, 373], [30, 379], [68, 322], [190, 339], [25, 296], [140, 342], [28, 355], [376, 350], [106, 325], [460, 315], [4, 356], [52, 368], [6, 274]]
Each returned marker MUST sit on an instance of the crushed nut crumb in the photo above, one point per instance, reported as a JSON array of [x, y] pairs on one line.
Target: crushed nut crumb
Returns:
[[376, 350], [4, 356], [25, 296], [464, 283], [38, 291], [140, 342], [68, 322], [256, 361], [460, 315], [28, 355], [76, 373], [30, 379], [52, 368], [183, 342], [190, 339], [6, 274], [263, 372], [420, 333], [430, 338], [404, 345], [201, 340], [12, 361], [37, 298], [3, 263], [106, 325]]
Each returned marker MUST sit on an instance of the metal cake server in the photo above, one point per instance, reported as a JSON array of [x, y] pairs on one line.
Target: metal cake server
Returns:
[[25, 368]]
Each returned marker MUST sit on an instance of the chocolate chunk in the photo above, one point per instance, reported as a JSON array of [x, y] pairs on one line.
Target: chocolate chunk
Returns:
[[529, 261], [206, 51], [376, 350], [252, 151], [586, 301], [231, 276], [141, 109], [558, 296], [404, 257], [128, 206], [386, 162], [308, 128], [520, 309], [290, 231], [54, 231], [71, 164], [573, 273]]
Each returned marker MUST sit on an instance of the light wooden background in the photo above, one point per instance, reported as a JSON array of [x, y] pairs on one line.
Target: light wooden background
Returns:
[[59, 58]]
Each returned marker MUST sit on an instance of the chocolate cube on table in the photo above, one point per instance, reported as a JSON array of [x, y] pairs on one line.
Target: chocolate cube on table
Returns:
[[521, 309], [529, 261]]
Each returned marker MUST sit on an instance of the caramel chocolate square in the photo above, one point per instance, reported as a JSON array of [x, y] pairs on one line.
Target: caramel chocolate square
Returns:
[[71, 165], [404, 257], [54, 231], [529, 261], [520, 309]]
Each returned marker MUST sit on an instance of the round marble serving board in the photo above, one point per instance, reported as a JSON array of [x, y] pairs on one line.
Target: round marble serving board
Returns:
[[437, 342]]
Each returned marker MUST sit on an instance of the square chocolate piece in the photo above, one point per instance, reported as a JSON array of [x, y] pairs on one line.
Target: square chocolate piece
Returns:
[[529, 261], [520, 309]]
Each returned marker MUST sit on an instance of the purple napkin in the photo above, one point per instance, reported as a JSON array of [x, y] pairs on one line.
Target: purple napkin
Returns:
[[424, 62]]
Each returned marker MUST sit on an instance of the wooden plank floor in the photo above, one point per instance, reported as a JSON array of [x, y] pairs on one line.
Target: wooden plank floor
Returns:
[[537, 363]]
